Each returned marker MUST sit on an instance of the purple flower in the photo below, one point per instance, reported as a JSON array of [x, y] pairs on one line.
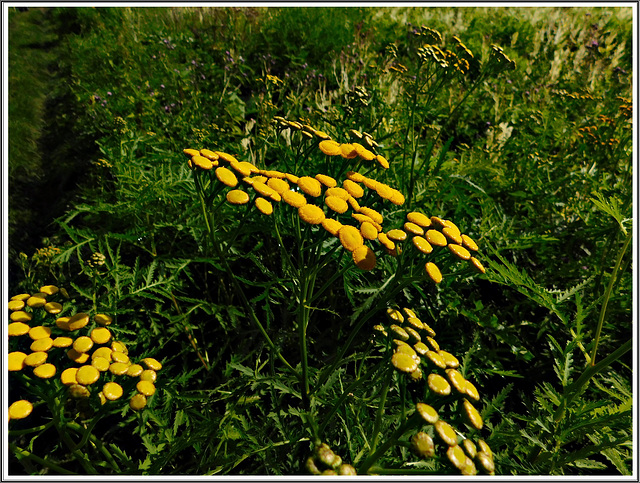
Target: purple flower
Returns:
[[104, 103], [109, 93], [203, 76], [161, 86], [96, 97]]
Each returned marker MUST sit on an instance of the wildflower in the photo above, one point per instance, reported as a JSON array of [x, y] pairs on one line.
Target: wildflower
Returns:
[[330, 147], [278, 185], [45, 371], [348, 151], [244, 168], [404, 362], [384, 191], [486, 462], [78, 357], [77, 321], [226, 176], [369, 231], [100, 363], [396, 235], [37, 300], [458, 381], [202, 162], [52, 307], [336, 204], [226, 157], [469, 243], [310, 186], [311, 214], [421, 244], [472, 415], [363, 152], [429, 414], [471, 391], [17, 329], [120, 357], [355, 177], [20, 316], [457, 457], [87, 375], [264, 206], [459, 251], [350, 237], [434, 272], [62, 342], [41, 345], [118, 368], [354, 204], [237, 197], [328, 181], [422, 445], [100, 335], [332, 226], [146, 388], [35, 359], [371, 213], [452, 234], [353, 188], [436, 238], [103, 319], [436, 347], [438, 222], [112, 391], [469, 447], [134, 370], [292, 178], [49, 289], [370, 183], [339, 192], [476, 263], [20, 409], [446, 432], [364, 258], [382, 161], [436, 359], [386, 242], [68, 376], [137, 402], [16, 361], [421, 348], [294, 198]]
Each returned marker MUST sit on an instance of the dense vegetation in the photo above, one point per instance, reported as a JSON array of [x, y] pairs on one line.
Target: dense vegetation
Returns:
[[172, 180]]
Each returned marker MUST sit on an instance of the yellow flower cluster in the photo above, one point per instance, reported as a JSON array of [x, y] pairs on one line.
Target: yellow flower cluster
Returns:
[[90, 355], [325, 462], [416, 349]]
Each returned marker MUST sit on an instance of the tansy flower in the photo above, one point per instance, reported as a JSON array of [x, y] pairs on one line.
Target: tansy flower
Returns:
[[436, 238], [452, 234], [438, 222], [237, 197], [277, 184], [321, 134], [339, 192], [419, 219], [336, 204], [397, 235], [209, 154], [382, 161], [362, 218], [397, 198], [356, 177], [384, 191], [364, 258], [370, 183], [350, 237], [363, 152], [264, 206], [328, 181], [371, 213], [292, 178], [369, 231], [386, 242], [202, 162], [190, 153], [434, 272], [459, 251], [354, 203], [272, 173], [469, 243], [348, 151], [226, 176], [310, 186], [311, 214], [330, 148], [477, 265], [353, 188], [226, 157], [20, 409], [332, 226], [265, 190], [242, 168], [294, 198], [413, 228], [439, 386]]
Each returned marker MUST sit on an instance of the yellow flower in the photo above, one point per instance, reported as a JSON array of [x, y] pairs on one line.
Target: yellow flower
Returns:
[[244, 168], [328, 181], [237, 197], [20, 409], [310, 186], [397, 198], [362, 218], [17, 328], [459, 251], [368, 230], [350, 237], [434, 272], [356, 177], [353, 188], [413, 228], [45, 371], [477, 265], [330, 147], [189, 153], [264, 206], [270, 173], [265, 190], [311, 214], [20, 316], [294, 198], [469, 243], [137, 402], [202, 162], [384, 240], [382, 161], [146, 387], [384, 191], [16, 361], [452, 234], [68, 376], [370, 183], [226, 176], [41, 345], [436, 238], [332, 226], [52, 307], [348, 151], [354, 204], [292, 178], [278, 185], [472, 415], [363, 152], [371, 213], [339, 192], [397, 235], [336, 204], [225, 157], [100, 335], [419, 219], [112, 391], [208, 154], [440, 386], [364, 258], [87, 375], [438, 222], [102, 319], [35, 359]]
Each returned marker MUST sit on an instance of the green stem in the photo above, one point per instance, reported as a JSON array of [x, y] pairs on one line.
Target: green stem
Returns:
[[23, 453], [607, 296], [381, 406]]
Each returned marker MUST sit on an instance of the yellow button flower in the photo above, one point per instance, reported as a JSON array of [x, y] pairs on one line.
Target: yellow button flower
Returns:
[[83, 344], [100, 335], [102, 352], [118, 346], [446, 432], [348, 151], [397, 235], [471, 391], [103, 319], [137, 402], [68, 376], [384, 191], [265, 190], [242, 168], [39, 332], [339, 192], [41, 345], [264, 206], [459, 251], [87, 375], [45, 371], [37, 300], [100, 363], [452, 235], [226, 176], [353, 188], [278, 185], [364, 258], [22, 296], [468, 243], [449, 359], [336, 204], [112, 391], [120, 357], [457, 457], [354, 203], [438, 222], [332, 226], [79, 357], [78, 321], [118, 368], [419, 219], [472, 415], [17, 328], [382, 161], [363, 152], [146, 387], [202, 162], [206, 153], [350, 237], [134, 370], [188, 152], [16, 361], [16, 304], [477, 265], [422, 244], [429, 414], [457, 380], [328, 181], [310, 186], [311, 214], [53, 307], [438, 384], [329, 147], [20, 316], [436, 238], [225, 157], [386, 242], [78, 391], [371, 213], [368, 230], [237, 197], [413, 228], [149, 375], [404, 362], [20, 409], [294, 198], [35, 359]]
